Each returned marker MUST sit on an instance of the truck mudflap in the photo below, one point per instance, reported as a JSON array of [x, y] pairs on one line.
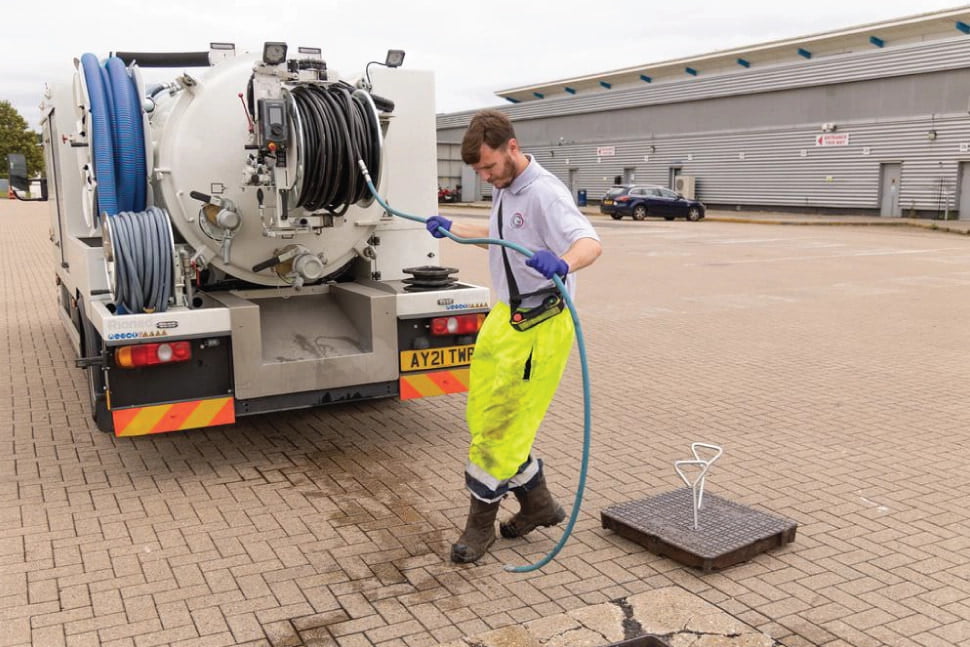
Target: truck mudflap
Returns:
[[176, 416], [423, 385]]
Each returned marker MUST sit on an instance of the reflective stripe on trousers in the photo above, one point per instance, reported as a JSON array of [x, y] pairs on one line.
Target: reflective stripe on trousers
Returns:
[[514, 376]]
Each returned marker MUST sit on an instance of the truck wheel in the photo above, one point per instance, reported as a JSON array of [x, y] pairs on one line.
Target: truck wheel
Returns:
[[91, 345]]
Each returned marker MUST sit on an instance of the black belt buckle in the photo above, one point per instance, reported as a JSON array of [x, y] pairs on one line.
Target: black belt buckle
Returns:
[[524, 318]]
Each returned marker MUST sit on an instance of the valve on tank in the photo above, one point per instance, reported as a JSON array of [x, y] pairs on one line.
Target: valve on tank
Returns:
[[295, 264], [219, 220]]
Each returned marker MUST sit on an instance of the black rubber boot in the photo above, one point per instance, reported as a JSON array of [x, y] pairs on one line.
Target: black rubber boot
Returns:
[[479, 532], [538, 509]]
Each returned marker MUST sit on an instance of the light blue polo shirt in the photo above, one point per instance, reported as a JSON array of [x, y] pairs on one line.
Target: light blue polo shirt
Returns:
[[538, 212]]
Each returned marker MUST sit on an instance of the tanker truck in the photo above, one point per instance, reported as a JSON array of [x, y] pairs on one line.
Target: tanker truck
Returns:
[[217, 251]]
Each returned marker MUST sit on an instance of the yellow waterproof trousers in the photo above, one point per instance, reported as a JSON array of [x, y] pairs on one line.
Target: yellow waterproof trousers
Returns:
[[514, 376]]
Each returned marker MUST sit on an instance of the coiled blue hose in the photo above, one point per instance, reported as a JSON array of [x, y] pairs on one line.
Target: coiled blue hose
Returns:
[[580, 342], [129, 138], [117, 135], [100, 130], [141, 239]]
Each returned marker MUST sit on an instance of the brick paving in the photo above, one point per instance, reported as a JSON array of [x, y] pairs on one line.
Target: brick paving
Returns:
[[831, 363]]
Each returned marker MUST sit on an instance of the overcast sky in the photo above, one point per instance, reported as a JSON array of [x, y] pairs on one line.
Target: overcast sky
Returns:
[[474, 48]]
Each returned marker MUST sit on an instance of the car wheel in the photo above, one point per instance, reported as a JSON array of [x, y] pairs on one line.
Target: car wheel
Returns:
[[616, 216], [694, 214], [639, 212]]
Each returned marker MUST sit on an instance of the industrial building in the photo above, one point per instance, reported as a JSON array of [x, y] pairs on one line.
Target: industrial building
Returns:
[[872, 119]]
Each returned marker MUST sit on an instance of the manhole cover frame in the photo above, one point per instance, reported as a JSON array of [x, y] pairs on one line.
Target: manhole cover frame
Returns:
[[729, 533]]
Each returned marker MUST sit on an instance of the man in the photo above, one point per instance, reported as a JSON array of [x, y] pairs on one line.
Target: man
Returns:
[[525, 341]]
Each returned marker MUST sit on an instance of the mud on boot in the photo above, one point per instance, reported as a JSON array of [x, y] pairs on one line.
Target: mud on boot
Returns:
[[479, 532], [538, 509]]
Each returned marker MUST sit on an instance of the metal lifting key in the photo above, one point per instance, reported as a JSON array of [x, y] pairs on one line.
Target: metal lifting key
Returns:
[[697, 485]]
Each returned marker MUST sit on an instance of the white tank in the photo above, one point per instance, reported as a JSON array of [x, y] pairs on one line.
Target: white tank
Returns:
[[200, 132]]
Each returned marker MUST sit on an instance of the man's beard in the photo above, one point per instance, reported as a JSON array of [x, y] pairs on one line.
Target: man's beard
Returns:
[[508, 174]]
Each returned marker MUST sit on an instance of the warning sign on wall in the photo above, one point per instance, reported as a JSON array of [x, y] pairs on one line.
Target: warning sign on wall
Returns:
[[832, 139], [605, 151]]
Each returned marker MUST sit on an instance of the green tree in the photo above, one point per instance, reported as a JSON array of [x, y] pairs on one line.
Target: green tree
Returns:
[[16, 137]]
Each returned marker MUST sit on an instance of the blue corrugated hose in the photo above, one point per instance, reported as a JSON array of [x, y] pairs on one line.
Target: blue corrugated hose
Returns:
[[100, 134], [117, 135], [129, 137], [587, 419]]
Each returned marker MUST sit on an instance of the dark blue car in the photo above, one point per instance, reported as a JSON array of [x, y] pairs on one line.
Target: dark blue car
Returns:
[[639, 201]]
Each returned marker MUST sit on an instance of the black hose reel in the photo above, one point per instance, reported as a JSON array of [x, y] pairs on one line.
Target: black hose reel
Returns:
[[335, 126]]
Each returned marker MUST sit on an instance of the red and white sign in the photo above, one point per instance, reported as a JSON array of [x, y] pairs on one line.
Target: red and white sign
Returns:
[[605, 151], [832, 139]]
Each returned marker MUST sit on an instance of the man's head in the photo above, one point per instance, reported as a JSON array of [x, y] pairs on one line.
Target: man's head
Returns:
[[490, 147]]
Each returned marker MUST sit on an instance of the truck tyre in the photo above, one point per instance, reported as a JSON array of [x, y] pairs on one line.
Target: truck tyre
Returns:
[[92, 346]]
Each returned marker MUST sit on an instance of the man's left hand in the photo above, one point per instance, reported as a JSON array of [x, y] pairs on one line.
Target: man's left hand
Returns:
[[548, 264]]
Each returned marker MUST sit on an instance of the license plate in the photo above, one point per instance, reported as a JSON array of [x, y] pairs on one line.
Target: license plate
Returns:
[[607, 202], [430, 358]]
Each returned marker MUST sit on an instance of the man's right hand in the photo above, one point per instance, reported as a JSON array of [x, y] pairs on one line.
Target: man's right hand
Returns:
[[434, 222]]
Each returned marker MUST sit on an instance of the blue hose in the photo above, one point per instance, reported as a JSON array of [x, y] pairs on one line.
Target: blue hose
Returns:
[[129, 139], [100, 131], [117, 135], [581, 344], [141, 237]]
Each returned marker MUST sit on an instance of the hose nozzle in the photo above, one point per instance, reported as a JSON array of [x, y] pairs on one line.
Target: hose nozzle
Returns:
[[363, 169]]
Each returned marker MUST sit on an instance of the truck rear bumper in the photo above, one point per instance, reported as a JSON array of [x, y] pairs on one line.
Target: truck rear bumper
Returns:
[[155, 419]]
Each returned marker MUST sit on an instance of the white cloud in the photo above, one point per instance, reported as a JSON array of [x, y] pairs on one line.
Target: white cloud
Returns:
[[475, 48]]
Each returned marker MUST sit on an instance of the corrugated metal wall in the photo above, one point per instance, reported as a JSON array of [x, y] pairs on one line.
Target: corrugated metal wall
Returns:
[[449, 165], [750, 137], [782, 166]]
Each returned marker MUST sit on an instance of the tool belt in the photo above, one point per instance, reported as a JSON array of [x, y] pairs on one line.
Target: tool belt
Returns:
[[525, 318]]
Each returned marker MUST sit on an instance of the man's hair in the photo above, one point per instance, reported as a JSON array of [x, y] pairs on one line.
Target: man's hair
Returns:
[[487, 127]]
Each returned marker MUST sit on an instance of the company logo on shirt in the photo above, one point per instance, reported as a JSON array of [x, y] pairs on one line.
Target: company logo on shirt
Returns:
[[518, 220]]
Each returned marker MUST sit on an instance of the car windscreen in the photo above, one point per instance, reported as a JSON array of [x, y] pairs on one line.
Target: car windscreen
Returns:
[[616, 191]]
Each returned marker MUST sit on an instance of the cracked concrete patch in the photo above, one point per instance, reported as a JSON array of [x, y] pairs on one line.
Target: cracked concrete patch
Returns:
[[672, 614], [504, 637], [582, 637], [545, 629], [667, 611], [749, 640], [605, 619]]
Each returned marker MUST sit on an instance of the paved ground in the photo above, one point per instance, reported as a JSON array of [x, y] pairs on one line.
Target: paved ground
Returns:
[[832, 364]]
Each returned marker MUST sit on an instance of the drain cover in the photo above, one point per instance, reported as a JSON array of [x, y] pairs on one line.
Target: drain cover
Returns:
[[728, 533]]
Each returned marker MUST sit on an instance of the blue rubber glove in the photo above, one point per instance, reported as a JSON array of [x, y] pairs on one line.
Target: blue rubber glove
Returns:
[[548, 264], [434, 222]]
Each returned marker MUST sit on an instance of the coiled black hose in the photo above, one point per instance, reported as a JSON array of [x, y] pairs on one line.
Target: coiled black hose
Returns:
[[142, 248], [339, 128]]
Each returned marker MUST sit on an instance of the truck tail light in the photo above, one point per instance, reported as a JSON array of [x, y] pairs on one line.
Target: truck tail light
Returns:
[[457, 325], [152, 354]]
